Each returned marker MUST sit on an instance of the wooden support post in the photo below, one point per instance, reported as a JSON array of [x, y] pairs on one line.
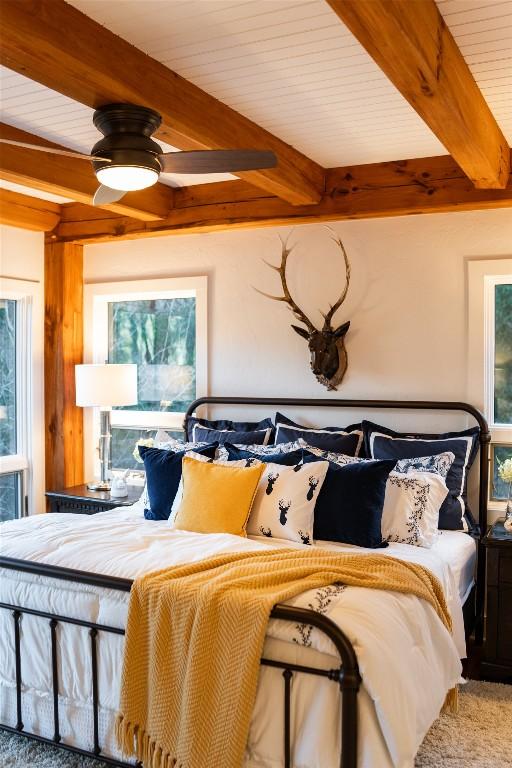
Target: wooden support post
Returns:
[[62, 351]]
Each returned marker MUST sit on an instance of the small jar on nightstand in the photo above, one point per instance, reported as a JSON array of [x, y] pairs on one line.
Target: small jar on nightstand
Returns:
[[497, 659]]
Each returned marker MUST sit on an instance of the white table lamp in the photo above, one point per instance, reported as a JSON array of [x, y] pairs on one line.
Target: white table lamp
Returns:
[[105, 386]]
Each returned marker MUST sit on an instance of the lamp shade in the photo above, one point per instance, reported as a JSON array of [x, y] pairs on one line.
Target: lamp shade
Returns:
[[106, 385]]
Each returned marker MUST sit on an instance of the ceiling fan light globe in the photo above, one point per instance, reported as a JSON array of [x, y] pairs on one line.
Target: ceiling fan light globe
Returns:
[[127, 177]]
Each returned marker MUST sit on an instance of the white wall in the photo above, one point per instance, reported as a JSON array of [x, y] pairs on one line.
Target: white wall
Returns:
[[21, 254], [406, 303], [22, 259]]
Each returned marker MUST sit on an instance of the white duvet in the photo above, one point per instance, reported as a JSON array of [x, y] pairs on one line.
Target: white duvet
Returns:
[[407, 659]]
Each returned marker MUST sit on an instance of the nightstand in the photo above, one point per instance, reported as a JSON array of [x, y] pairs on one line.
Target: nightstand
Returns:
[[497, 658], [81, 501]]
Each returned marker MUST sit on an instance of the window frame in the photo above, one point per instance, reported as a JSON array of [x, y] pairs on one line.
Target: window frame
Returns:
[[97, 296], [28, 461], [483, 276]]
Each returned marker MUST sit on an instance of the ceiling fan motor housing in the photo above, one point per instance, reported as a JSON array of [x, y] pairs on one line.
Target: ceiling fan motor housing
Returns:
[[127, 141]]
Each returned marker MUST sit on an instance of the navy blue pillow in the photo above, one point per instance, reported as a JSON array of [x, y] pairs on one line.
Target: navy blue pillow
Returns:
[[350, 502], [256, 437], [384, 443], [289, 459], [282, 419], [227, 424], [163, 475], [347, 440]]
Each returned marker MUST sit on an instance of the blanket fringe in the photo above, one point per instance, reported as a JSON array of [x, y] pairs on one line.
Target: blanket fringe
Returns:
[[451, 703], [135, 742]]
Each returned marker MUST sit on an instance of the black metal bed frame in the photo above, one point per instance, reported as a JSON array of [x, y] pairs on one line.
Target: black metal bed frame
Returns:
[[346, 675]]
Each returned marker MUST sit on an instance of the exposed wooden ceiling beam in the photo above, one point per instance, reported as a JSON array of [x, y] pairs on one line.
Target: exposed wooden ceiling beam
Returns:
[[27, 212], [427, 185], [72, 178], [55, 44], [411, 43]]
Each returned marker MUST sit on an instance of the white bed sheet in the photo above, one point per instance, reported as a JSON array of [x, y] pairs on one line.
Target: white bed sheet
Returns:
[[407, 659], [458, 549]]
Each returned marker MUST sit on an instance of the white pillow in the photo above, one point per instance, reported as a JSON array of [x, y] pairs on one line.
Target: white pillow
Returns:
[[438, 465], [411, 507], [165, 442], [263, 450], [284, 504], [285, 500]]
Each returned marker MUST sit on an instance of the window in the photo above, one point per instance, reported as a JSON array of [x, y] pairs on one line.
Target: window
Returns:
[[160, 325], [490, 360], [21, 465], [7, 377], [10, 482], [11, 495], [500, 290], [498, 383]]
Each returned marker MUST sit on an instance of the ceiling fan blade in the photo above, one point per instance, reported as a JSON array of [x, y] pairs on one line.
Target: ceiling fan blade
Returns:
[[54, 151], [217, 161], [105, 195]]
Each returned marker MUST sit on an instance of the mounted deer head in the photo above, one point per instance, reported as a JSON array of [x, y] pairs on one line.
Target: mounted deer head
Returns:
[[327, 347]]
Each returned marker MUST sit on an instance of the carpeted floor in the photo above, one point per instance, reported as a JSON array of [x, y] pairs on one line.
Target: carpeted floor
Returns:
[[479, 736]]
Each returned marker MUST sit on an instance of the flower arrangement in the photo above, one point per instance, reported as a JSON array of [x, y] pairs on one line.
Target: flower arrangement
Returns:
[[505, 473], [148, 442], [505, 470]]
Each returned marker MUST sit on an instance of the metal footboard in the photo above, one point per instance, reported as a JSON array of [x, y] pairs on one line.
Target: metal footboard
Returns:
[[346, 676]]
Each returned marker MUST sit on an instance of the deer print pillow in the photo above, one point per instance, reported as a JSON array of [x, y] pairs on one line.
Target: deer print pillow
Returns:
[[285, 500]]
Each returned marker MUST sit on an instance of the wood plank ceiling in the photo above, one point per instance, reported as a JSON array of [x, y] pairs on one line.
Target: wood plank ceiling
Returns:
[[289, 65], [293, 68], [483, 31]]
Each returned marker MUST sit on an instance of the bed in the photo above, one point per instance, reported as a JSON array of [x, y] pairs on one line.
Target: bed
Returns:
[[387, 654]]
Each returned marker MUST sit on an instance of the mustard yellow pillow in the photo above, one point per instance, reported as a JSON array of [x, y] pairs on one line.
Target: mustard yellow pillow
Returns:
[[216, 498]]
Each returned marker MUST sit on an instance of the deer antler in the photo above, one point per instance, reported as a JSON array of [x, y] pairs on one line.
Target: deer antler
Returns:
[[297, 311], [334, 307]]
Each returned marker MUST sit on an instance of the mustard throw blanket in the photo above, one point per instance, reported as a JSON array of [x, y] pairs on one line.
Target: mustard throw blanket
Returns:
[[194, 640]]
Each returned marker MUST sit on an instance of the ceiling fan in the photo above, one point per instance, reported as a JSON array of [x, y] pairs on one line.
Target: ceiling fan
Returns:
[[127, 158]]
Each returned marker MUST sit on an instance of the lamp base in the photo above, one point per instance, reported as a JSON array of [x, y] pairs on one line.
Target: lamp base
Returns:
[[99, 486]]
